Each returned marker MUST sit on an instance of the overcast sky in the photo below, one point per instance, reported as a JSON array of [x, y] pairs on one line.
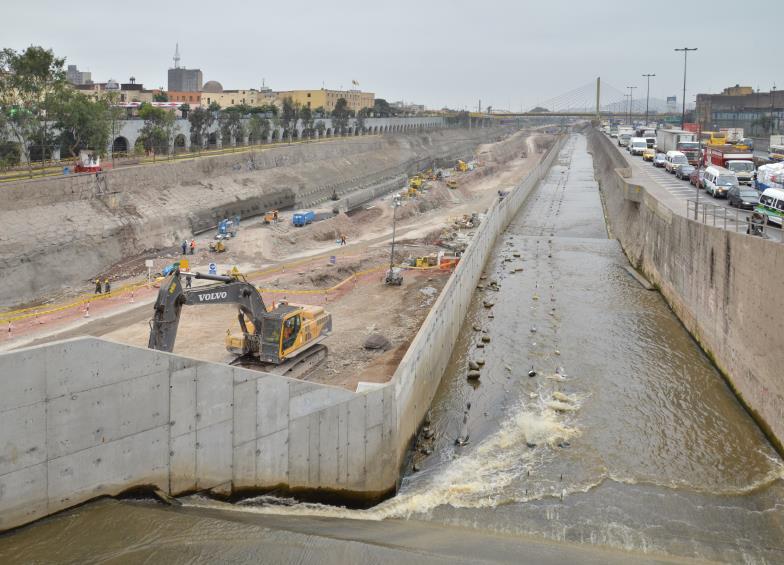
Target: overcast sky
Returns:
[[509, 54]]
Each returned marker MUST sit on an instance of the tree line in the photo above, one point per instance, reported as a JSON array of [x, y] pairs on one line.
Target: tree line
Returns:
[[40, 112]]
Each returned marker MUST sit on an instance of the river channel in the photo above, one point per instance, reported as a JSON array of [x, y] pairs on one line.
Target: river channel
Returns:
[[626, 436]]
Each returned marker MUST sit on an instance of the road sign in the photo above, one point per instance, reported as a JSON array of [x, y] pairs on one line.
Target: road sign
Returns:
[[213, 269], [332, 259], [148, 263]]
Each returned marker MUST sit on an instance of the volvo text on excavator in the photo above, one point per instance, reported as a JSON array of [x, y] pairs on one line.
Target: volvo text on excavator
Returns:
[[284, 340]]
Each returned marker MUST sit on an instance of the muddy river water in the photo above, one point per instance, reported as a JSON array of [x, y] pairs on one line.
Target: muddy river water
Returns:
[[626, 437]]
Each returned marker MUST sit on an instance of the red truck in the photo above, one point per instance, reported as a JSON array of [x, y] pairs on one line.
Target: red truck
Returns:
[[730, 157]]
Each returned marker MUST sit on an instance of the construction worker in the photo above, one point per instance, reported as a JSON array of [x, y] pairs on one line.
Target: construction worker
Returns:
[[184, 246], [107, 288], [97, 286], [193, 246], [342, 239]]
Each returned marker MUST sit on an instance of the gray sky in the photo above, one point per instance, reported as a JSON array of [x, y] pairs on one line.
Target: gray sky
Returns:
[[509, 54]]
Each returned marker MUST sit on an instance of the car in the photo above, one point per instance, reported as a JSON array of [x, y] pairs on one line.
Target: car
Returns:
[[673, 160], [660, 160], [649, 154], [743, 197], [695, 177], [684, 171], [718, 181]]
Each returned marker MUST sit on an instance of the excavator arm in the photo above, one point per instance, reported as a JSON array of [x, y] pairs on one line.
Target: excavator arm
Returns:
[[172, 297]]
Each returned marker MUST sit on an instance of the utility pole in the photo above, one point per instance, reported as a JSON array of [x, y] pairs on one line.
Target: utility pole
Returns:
[[631, 103], [772, 96], [685, 57], [648, 95], [598, 96], [626, 105]]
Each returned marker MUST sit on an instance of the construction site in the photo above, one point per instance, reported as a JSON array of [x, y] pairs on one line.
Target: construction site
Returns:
[[239, 221]]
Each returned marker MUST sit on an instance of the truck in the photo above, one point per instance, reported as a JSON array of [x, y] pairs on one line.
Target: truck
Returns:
[[730, 157], [679, 140], [303, 218], [733, 135]]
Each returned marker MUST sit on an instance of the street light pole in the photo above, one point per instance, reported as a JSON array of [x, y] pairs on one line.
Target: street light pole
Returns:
[[631, 102], [685, 56], [648, 95]]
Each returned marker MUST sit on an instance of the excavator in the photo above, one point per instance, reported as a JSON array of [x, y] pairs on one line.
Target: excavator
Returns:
[[285, 340]]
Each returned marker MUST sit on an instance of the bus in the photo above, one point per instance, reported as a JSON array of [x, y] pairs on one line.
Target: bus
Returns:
[[776, 152], [713, 138]]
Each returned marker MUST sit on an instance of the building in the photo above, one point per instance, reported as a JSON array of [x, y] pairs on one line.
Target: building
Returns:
[[408, 107], [213, 92], [126, 92], [77, 77], [327, 99], [182, 79], [758, 113], [192, 99]]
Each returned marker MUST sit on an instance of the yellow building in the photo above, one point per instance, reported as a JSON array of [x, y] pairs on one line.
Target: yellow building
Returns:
[[328, 98], [212, 91]]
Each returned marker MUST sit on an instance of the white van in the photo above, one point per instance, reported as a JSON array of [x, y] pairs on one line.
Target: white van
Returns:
[[623, 139], [771, 203], [637, 145], [673, 160], [718, 181]]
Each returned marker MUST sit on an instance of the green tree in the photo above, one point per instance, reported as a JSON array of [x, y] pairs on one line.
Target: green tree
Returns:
[[288, 117], [160, 96], [29, 81], [184, 109], [117, 116], [230, 122], [83, 123], [361, 115], [259, 128], [382, 108], [320, 128], [306, 117], [214, 107], [320, 112], [201, 120], [158, 130], [9, 149], [340, 115]]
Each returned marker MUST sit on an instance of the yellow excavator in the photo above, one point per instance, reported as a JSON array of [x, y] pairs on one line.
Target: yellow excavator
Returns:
[[461, 166], [285, 340]]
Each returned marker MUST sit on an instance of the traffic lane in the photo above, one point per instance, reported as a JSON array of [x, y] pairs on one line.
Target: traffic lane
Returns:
[[684, 190]]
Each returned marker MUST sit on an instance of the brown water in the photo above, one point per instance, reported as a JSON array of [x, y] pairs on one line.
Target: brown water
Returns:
[[627, 437]]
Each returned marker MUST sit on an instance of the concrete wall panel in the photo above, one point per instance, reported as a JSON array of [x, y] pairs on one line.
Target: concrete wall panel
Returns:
[[24, 437], [24, 378], [106, 413], [23, 496], [109, 468], [182, 463], [214, 394], [272, 405], [214, 455], [272, 459], [182, 403]]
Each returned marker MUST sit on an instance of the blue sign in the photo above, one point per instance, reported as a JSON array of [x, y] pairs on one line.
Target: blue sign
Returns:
[[332, 259], [213, 269]]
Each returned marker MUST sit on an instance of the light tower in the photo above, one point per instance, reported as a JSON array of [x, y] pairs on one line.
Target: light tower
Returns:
[[177, 55]]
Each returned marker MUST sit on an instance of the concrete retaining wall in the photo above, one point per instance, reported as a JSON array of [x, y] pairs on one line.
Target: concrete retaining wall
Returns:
[[85, 418], [724, 286]]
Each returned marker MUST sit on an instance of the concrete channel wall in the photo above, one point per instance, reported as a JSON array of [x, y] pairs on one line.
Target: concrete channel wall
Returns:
[[419, 373], [85, 418], [725, 287]]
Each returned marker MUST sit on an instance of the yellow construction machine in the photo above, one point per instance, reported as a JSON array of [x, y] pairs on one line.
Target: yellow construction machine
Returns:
[[451, 183], [461, 166], [285, 340]]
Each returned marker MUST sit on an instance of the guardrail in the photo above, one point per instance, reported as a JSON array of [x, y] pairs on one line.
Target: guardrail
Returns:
[[730, 219]]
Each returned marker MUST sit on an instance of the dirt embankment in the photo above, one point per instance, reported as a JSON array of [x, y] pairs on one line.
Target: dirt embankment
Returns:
[[46, 246]]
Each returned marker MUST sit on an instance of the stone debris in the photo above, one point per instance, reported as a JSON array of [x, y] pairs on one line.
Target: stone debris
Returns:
[[377, 341]]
